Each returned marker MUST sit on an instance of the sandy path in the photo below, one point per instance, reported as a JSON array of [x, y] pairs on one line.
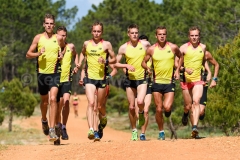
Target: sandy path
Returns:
[[117, 145]]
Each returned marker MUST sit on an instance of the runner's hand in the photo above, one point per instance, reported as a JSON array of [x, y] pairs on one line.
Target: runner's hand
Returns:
[[101, 60], [189, 71], [130, 68], [41, 51]]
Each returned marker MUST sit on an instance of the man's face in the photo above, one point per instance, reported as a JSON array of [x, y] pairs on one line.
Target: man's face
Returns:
[[62, 35], [194, 36], [97, 32], [161, 35], [133, 34], [49, 25]]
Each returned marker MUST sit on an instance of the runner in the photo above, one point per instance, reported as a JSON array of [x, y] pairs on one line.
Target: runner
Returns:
[[65, 84], [192, 87], [48, 71], [75, 103], [147, 99], [98, 54], [163, 87], [136, 85]]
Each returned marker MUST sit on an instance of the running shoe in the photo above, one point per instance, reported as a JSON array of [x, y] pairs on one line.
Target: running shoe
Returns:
[[194, 133], [134, 136], [96, 136], [161, 136], [57, 142], [142, 137], [64, 134], [90, 134], [52, 135], [103, 123], [45, 128], [58, 133], [141, 119], [100, 132], [184, 120]]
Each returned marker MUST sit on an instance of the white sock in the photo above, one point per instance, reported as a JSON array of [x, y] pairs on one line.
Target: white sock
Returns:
[[63, 126], [141, 112], [91, 129], [162, 131], [135, 129], [44, 121]]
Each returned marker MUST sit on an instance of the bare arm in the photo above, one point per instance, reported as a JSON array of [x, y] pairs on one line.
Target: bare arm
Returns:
[[209, 58], [146, 59], [112, 59], [209, 75], [31, 51], [121, 52], [114, 70], [178, 54]]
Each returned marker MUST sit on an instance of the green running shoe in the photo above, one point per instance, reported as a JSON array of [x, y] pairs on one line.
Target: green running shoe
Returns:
[[103, 123], [134, 136], [90, 134]]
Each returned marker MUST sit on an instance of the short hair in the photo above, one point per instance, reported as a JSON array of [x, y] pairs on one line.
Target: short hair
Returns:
[[132, 26], [61, 28], [194, 28], [143, 37], [97, 23], [160, 28], [49, 16]]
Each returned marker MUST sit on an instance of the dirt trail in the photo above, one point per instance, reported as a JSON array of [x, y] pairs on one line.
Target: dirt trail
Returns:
[[117, 145]]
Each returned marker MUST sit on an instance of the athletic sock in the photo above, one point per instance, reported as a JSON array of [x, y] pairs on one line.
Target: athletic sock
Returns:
[[44, 121], [134, 129], [194, 127], [63, 126], [162, 131]]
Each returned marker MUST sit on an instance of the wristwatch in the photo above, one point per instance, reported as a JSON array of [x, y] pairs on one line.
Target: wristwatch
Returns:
[[215, 79]]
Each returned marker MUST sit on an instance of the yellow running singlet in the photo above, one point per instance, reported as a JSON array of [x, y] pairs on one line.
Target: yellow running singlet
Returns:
[[134, 57], [163, 64], [95, 70], [66, 74], [193, 59], [48, 62]]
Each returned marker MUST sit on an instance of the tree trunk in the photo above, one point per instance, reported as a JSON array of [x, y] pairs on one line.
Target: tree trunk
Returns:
[[172, 129], [10, 119]]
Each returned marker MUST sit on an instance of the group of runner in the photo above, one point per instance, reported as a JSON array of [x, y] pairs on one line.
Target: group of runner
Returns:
[[149, 69]]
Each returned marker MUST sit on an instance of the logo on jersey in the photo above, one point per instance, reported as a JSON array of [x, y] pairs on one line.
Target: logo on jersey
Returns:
[[169, 51], [100, 48], [140, 48], [200, 51], [54, 41]]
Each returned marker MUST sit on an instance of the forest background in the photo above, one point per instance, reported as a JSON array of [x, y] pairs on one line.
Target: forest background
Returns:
[[219, 21]]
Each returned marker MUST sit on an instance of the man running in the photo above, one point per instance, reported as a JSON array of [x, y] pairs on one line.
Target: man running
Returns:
[[147, 99], [98, 54], [206, 77], [65, 83], [192, 87], [162, 54], [136, 85], [48, 71]]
